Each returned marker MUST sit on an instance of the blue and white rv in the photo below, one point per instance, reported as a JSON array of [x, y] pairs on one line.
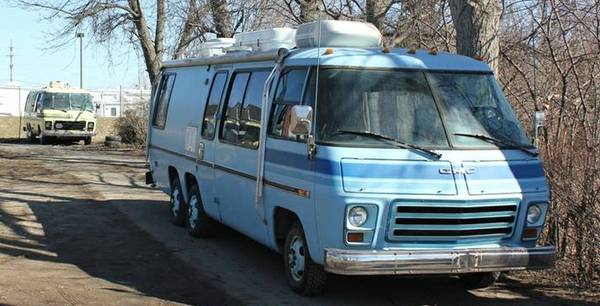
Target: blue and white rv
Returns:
[[349, 158]]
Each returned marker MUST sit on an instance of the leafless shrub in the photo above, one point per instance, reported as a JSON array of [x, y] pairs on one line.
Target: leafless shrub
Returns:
[[133, 126]]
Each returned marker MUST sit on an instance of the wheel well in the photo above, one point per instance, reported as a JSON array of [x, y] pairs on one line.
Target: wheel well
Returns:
[[172, 175], [190, 180], [283, 221]]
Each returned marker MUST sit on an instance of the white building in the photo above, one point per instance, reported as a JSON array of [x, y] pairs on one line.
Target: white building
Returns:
[[112, 102]]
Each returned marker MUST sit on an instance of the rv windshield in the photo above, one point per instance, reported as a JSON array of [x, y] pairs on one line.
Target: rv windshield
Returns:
[[401, 105], [397, 104], [68, 101], [474, 105]]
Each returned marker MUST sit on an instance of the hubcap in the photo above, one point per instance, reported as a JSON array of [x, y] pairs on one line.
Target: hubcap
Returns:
[[175, 204], [193, 215], [296, 258]]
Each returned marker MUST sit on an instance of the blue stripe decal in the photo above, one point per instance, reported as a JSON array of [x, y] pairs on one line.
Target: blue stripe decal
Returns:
[[301, 161], [384, 169]]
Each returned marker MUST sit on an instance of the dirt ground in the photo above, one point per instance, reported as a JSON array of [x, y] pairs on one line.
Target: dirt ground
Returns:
[[79, 227]]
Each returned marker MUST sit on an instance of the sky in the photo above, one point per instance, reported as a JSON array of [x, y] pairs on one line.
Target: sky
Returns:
[[35, 65]]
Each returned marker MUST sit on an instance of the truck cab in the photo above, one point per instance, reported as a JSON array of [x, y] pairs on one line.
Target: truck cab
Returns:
[[59, 112]]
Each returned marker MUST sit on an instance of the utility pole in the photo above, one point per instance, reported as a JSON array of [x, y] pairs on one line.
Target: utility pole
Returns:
[[11, 55], [80, 36]]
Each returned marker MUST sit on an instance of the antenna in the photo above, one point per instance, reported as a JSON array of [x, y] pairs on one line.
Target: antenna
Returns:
[[11, 55], [311, 140]]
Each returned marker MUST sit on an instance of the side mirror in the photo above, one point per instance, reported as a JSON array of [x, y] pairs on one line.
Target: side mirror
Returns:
[[301, 120], [301, 125], [97, 106]]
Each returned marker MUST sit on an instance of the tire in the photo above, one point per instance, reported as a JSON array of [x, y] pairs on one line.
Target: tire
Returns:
[[112, 144], [30, 136], [177, 206], [199, 224], [43, 139], [303, 275], [479, 280], [113, 138], [87, 141]]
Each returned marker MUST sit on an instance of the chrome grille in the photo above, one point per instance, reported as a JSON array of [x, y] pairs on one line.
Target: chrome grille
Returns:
[[69, 125], [451, 220]]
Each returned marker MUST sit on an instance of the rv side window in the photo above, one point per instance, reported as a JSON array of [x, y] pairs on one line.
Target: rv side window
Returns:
[[289, 93], [29, 102], [233, 106], [212, 105], [162, 101], [250, 116]]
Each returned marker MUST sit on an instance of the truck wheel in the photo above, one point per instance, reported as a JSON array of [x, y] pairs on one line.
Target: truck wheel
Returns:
[[87, 141], [303, 275], [479, 280], [177, 203], [199, 224], [30, 136], [43, 139]]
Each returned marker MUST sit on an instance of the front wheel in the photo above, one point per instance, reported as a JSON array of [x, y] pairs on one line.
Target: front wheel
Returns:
[[199, 224], [479, 280], [177, 203], [303, 275], [43, 139]]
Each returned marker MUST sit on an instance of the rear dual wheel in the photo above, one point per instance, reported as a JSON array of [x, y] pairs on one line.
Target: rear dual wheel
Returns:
[[199, 224], [177, 203]]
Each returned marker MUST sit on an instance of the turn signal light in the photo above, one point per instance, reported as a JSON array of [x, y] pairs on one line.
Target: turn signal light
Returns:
[[530, 233], [386, 50], [329, 51], [355, 237]]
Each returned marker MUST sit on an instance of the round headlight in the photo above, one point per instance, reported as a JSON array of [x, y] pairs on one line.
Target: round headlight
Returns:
[[357, 216], [533, 214]]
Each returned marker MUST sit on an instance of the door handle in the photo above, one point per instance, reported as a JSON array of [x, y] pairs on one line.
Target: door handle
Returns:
[[201, 151]]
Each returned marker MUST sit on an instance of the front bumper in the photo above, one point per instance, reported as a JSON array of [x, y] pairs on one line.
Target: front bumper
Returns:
[[437, 261], [68, 133]]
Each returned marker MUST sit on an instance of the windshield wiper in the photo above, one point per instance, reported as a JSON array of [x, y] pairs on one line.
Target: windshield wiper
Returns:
[[498, 141], [397, 142]]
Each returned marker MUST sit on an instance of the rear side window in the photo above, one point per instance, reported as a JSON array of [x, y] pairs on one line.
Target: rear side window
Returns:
[[212, 105], [162, 101], [29, 102], [250, 117], [230, 122], [289, 93]]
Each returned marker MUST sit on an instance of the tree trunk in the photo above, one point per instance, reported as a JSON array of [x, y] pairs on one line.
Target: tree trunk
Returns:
[[153, 63], [159, 35], [221, 18], [376, 10], [309, 10], [476, 23], [187, 31]]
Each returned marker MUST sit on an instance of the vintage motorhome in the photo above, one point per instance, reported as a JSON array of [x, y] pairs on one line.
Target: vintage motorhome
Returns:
[[59, 111], [350, 158]]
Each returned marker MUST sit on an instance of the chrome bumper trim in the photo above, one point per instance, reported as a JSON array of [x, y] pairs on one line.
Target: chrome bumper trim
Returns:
[[68, 133], [437, 261]]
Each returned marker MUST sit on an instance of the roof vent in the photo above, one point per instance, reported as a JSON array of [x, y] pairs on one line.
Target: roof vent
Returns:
[[58, 84], [215, 47], [266, 40], [338, 33]]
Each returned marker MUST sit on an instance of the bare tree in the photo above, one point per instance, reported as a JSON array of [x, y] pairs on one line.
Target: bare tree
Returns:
[[221, 18], [376, 10], [476, 24]]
